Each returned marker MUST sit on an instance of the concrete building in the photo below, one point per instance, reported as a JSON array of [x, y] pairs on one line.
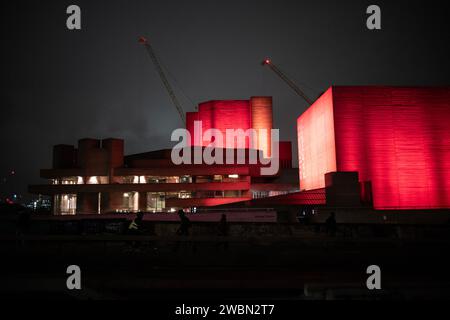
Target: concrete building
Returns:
[[96, 177], [369, 147]]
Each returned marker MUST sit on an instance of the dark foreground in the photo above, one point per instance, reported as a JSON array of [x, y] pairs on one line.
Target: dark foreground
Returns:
[[316, 267]]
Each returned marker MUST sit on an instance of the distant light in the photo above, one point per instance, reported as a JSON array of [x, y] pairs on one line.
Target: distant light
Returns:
[[267, 61], [233, 176], [13, 172]]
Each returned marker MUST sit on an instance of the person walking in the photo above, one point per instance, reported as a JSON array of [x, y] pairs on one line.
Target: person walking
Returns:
[[183, 230]]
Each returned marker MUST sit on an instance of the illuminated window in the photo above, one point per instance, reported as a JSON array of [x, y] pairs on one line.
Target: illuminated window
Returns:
[[157, 179], [130, 201], [65, 204], [185, 195], [93, 180], [156, 201], [139, 179], [232, 194], [70, 180], [173, 180], [186, 179], [128, 179]]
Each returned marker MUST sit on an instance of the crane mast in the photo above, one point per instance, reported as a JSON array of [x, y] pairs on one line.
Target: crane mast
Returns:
[[268, 62], [163, 77]]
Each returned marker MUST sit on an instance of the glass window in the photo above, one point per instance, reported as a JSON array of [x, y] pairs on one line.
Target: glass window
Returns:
[[131, 201], [65, 204], [156, 201]]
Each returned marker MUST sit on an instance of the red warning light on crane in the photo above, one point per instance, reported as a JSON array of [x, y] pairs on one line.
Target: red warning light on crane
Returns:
[[142, 40]]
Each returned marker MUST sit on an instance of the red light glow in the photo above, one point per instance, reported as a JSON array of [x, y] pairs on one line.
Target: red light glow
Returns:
[[316, 147], [255, 113], [221, 115], [142, 40], [261, 112], [395, 137]]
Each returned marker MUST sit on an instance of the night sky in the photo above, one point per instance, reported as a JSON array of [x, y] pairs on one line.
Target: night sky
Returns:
[[61, 85]]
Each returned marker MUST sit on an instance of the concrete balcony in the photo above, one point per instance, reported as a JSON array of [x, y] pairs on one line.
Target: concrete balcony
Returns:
[[52, 189]]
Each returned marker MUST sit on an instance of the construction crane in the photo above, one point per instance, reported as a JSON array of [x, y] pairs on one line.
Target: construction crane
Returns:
[[268, 62], [163, 77]]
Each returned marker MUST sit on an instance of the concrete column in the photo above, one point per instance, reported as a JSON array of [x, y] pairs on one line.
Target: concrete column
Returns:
[[142, 201], [112, 201], [87, 203]]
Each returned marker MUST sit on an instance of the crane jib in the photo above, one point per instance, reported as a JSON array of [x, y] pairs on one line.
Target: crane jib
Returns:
[[164, 80]]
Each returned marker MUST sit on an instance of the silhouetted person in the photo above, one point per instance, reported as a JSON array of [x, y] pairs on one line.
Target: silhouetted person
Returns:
[[185, 224], [223, 231], [223, 226], [306, 217], [135, 228], [183, 229], [331, 224]]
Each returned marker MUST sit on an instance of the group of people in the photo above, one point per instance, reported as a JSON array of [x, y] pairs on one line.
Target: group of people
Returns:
[[136, 228]]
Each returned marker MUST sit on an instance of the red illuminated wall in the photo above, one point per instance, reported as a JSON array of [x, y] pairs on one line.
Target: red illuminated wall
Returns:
[[285, 154], [255, 113], [316, 147], [225, 114], [261, 112], [395, 137]]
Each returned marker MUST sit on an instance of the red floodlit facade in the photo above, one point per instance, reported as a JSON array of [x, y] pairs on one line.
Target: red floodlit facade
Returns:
[[255, 113], [396, 138]]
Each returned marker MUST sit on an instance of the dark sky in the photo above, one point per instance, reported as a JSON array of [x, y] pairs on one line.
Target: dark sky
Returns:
[[61, 85]]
